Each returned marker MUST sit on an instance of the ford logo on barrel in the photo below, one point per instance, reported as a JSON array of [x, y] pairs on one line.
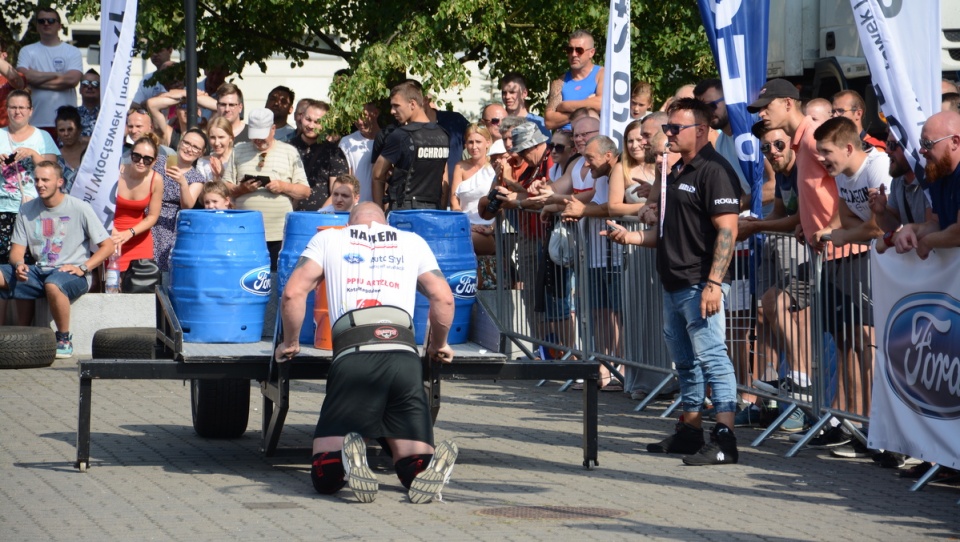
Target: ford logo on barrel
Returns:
[[463, 284], [923, 354], [257, 281]]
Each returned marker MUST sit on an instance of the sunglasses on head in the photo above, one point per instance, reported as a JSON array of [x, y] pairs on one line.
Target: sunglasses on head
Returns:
[[557, 147], [47, 20], [778, 144], [137, 158], [578, 50], [94, 84]]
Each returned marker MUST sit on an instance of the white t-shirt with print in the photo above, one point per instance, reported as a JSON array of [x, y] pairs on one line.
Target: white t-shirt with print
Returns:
[[370, 266], [854, 190]]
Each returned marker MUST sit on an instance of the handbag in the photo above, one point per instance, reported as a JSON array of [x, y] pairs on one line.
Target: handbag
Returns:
[[142, 277]]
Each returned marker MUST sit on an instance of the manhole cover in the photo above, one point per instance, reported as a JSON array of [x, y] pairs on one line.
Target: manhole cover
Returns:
[[270, 505], [552, 512]]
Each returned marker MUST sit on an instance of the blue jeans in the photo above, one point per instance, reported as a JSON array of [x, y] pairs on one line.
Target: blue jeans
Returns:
[[698, 348], [71, 285]]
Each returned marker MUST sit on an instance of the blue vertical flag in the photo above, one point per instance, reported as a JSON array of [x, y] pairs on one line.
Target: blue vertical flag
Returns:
[[737, 30]]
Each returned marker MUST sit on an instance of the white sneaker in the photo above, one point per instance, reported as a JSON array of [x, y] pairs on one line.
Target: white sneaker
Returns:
[[359, 476], [427, 485]]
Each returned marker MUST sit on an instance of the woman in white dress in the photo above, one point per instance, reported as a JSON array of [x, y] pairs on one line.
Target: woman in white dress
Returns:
[[472, 179], [628, 179]]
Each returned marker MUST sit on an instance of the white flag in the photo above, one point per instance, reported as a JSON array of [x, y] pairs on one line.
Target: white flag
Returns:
[[96, 180], [615, 108], [901, 44]]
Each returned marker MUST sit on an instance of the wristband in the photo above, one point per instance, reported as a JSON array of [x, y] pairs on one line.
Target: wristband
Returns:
[[719, 284], [133, 232], [888, 238]]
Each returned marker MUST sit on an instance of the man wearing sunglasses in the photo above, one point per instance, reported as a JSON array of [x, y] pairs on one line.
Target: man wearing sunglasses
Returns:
[[53, 69], [907, 202], [491, 117], [695, 244], [940, 146], [89, 102], [581, 86]]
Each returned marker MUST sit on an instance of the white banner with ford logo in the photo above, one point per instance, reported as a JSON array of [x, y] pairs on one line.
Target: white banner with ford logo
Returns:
[[916, 382]]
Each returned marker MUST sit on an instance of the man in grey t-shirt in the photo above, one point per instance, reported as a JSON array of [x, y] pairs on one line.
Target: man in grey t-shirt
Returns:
[[59, 230], [907, 202]]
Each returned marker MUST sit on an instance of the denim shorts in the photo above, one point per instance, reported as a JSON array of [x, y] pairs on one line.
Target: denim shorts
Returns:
[[71, 285], [604, 285], [699, 350]]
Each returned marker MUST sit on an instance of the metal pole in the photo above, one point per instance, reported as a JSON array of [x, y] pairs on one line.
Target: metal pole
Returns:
[[190, 52]]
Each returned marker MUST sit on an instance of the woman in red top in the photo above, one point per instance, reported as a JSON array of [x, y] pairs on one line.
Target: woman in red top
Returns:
[[139, 198]]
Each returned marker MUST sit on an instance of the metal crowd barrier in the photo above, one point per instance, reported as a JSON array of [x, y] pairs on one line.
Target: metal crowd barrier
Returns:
[[798, 323]]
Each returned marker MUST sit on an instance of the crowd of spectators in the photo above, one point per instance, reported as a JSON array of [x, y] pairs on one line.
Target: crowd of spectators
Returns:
[[834, 178]]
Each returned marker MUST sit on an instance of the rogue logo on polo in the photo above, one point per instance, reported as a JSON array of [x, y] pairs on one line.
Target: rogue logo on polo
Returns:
[[463, 284], [257, 281], [923, 354]]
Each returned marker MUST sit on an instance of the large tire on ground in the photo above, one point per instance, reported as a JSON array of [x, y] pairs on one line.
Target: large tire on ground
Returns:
[[124, 343], [221, 408], [27, 347]]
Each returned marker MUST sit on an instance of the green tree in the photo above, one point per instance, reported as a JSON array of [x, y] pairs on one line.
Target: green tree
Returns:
[[432, 40]]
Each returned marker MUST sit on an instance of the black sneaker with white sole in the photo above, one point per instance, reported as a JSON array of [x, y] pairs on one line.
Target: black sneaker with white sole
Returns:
[[721, 450], [831, 438], [359, 476], [428, 484]]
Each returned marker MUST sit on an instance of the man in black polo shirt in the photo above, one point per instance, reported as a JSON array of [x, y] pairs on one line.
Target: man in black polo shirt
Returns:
[[416, 152], [695, 241]]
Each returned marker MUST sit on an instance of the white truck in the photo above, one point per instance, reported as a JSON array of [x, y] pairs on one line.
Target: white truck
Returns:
[[815, 43]]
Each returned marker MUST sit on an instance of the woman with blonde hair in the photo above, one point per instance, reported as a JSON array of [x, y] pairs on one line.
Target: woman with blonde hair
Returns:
[[220, 133], [627, 178], [472, 179]]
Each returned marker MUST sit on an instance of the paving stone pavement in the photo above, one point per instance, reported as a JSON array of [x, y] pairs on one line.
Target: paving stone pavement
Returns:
[[152, 478]]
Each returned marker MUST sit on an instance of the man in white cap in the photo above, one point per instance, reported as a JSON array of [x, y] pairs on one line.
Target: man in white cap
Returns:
[[266, 175]]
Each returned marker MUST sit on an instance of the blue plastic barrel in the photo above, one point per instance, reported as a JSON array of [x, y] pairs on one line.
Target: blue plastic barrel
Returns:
[[299, 228], [448, 234], [220, 276]]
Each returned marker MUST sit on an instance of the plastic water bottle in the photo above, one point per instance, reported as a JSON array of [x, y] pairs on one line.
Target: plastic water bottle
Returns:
[[113, 273]]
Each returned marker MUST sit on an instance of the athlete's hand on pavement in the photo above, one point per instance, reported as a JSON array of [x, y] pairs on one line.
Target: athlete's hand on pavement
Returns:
[[286, 352]]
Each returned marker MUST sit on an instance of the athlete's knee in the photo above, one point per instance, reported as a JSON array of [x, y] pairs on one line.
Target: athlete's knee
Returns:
[[409, 467], [326, 472]]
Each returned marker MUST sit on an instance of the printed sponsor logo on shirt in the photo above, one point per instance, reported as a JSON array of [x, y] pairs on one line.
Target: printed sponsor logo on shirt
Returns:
[[726, 201], [463, 284], [687, 188], [923, 354], [386, 333], [256, 281], [433, 152], [353, 258]]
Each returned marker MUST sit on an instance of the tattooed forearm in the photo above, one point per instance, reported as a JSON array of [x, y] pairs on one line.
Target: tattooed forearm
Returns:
[[722, 252]]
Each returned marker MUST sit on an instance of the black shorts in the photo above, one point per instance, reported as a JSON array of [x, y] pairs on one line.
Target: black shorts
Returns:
[[845, 292], [376, 394]]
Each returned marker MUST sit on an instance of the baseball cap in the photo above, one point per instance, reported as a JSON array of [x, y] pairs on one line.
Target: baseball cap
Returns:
[[775, 88], [525, 136], [259, 123]]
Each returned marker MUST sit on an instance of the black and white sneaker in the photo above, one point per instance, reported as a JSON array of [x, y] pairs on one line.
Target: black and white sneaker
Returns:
[[831, 438], [359, 476], [428, 484], [721, 450], [686, 439]]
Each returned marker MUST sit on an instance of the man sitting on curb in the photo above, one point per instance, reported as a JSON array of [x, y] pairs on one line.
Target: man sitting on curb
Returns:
[[58, 229]]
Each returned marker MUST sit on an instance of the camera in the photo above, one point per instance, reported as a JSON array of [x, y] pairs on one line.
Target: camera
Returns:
[[493, 204], [10, 159]]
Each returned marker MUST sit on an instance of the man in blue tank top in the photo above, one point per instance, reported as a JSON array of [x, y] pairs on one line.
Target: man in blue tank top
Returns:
[[581, 86]]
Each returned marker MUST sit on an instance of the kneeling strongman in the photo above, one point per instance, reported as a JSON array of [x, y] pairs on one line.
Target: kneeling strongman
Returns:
[[375, 386]]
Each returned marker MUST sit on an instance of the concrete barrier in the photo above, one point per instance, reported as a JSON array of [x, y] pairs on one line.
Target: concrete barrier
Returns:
[[96, 311]]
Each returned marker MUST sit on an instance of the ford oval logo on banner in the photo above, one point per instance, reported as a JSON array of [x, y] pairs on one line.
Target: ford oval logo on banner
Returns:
[[257, 281], [463, 284], [923, 354]]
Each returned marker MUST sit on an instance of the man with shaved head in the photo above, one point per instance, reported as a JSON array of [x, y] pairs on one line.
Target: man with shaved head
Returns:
[[940, 146], [375, 384]]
